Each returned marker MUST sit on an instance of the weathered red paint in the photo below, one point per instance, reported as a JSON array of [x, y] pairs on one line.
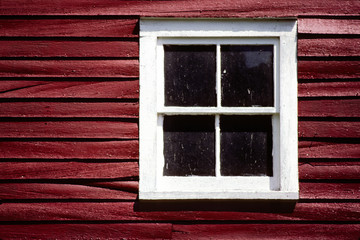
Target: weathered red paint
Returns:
[[69, 129], [84, 190], [321, 149], [70, 48], [328, 69], [328, 26], [271, 231], [329, 129], [126, 190], [48, 170], [183, 8], [68, 102], [328, 47], [329, 89], [68, 28], [71, 68], [333, 170], [127, 211], [127, 149], [118, 89], [329, 107], [21, 109], [88, 231]]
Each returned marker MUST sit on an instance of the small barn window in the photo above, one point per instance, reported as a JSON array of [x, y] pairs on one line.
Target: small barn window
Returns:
[[218, 109]]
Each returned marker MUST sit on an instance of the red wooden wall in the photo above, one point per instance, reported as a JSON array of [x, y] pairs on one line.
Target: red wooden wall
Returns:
[[69, 122]]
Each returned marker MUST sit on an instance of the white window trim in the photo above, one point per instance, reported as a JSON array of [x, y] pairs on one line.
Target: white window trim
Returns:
[[282, 34]]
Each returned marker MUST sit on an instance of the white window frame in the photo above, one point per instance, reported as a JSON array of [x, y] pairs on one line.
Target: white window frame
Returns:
[[154, 33]]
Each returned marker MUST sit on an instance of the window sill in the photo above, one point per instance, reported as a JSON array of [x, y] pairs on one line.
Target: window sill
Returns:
[[234, 195]]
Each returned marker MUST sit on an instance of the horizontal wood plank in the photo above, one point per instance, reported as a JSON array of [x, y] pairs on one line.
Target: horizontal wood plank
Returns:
[[338, 170], [71, 68], [266, 231], [198, 8], [113, 170], [329, 26], [56, 48], [69, 109], [68, 27], [69, 89], [328, 69], [91, 190], [69, 150], [69, 129], [329, 108], [68, 170], [88, 231], [129, 130], [317, 149], [307, 108], [329, 129], [126, 211], [310, 190], [129, 191], [329, 89], [328, 47]]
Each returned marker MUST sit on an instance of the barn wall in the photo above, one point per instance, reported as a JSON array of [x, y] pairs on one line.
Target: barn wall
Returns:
[[69, 122]]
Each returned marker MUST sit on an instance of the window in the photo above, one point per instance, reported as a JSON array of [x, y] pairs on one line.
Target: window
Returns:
[[218, 109]]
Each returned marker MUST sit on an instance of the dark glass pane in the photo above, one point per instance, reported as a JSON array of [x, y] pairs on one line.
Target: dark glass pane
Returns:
[[246, 146], [247, 75], [190, 75], [189, 143]]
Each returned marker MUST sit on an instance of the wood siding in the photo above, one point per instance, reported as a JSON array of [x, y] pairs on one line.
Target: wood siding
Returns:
[[69, 123]]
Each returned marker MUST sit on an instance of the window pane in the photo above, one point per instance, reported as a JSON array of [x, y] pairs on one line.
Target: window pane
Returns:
[[190, 75], [246, 146], [247, 75], [189, 143]]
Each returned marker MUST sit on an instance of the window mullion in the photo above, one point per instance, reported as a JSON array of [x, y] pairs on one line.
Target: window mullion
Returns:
[[217, 116], [218, 75], [217, 145]]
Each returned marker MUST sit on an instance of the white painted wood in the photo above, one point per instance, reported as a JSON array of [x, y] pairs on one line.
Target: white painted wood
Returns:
[[177, 195], [148, 120], [217, 110], [279, 33], [217, 146], [214, 27]]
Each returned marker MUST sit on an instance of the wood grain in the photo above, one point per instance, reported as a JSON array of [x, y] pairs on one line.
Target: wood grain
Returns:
[[329, 190], [329, 26], [68, 27], [317, 149], [88, 231], [329, 129], [328, 47], [51, 191], [128, 89], [112, 170], [329, 170], [129, 191], [68, 170], [329, 108], [70, 68], [197, 8], [69, 150], [329, 89], [266, 231], [69, 129], [129, 130], [328, 69], [126, 211], [69, 109], [307, 108], [68, 48]]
